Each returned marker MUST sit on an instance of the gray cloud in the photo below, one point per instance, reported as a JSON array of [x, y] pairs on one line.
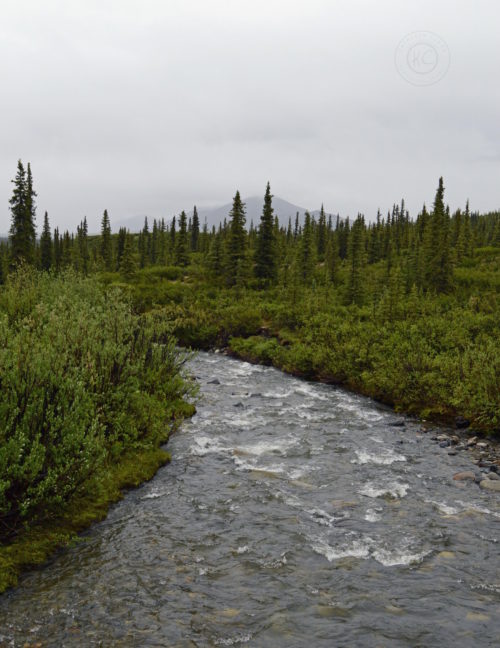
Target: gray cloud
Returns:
[[148, 107]]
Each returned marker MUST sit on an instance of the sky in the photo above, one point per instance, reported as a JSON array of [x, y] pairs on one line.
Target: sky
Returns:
[[146, 107]]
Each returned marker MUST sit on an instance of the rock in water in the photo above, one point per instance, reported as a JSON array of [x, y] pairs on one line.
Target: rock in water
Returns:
[[397, 423], [490, 484], [467, 475], [215, 381]]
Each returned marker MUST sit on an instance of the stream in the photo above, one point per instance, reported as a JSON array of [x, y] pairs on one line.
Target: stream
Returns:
[[293, 514]]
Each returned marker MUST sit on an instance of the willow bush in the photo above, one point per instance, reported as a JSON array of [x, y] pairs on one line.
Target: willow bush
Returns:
[[83, 379]]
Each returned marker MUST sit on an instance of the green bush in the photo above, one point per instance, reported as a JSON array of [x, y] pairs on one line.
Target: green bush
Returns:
[[83, 380]]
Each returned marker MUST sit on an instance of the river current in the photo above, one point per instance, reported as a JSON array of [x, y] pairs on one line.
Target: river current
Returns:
[[293, 514]]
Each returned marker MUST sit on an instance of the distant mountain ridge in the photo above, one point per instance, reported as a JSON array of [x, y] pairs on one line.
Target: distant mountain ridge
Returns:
[[215, 215]]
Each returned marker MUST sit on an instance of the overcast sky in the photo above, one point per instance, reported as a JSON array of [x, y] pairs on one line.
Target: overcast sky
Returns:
[[150, 106]]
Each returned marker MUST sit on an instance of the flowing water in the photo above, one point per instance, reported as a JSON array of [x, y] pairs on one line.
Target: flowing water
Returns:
[[292, 514]]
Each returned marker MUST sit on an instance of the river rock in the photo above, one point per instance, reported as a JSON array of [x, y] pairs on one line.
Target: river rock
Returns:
[[472, 441], [445, 444], [493, 475], [466, 475], [461, 423], [215, 381], [400, 422], [482, 445], [490, 484]]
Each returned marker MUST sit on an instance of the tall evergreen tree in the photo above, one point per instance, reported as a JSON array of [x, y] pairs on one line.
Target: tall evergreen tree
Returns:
[[57, 250], [195, 230], [46, 245], [437, 244], [265, 254], [356, 259], [22, 206], [305, 261], [236, 240], [181, 242], [83, 256], [127, 262], [106, 249], [321, 234]]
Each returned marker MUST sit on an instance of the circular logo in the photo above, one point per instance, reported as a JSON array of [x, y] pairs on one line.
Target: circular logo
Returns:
[[422, 58]]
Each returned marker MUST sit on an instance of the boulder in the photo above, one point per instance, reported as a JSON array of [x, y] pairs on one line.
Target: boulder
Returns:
[[490, 484], [400, 422]]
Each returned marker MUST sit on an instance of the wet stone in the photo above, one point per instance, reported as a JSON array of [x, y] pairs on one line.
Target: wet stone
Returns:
[[490, 484], [467, 475]]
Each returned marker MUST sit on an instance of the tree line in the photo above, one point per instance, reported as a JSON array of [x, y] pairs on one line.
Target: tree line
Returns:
[[416, 254]]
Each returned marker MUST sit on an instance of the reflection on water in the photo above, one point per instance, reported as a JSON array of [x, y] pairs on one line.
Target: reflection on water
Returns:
[[292, 514]]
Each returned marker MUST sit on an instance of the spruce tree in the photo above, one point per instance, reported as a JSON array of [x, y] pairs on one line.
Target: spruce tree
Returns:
[[356, 259], [265, 254], [144, 244], [305, 262], [181, 243], [46, 245], [105, 247], [236, 240], [127, 263], [57, 250], [83, 256], [321, 234], [195, 230], [438, 266], [22, 206]]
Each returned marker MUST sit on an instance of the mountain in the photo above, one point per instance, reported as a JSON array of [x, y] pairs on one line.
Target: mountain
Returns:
[[215, 215]]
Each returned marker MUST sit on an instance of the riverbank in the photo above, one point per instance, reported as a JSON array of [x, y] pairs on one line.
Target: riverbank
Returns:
[[458, 438], [37, 544], [90, 392]]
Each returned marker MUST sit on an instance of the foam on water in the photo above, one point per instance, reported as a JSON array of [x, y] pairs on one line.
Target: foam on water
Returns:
[[357, 549], [203, 445], [372, 515], [385, 458], [392, 558], [268, 447], [321, 517], [478, 509], [444, 508], [232, 641], [392, 489]]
